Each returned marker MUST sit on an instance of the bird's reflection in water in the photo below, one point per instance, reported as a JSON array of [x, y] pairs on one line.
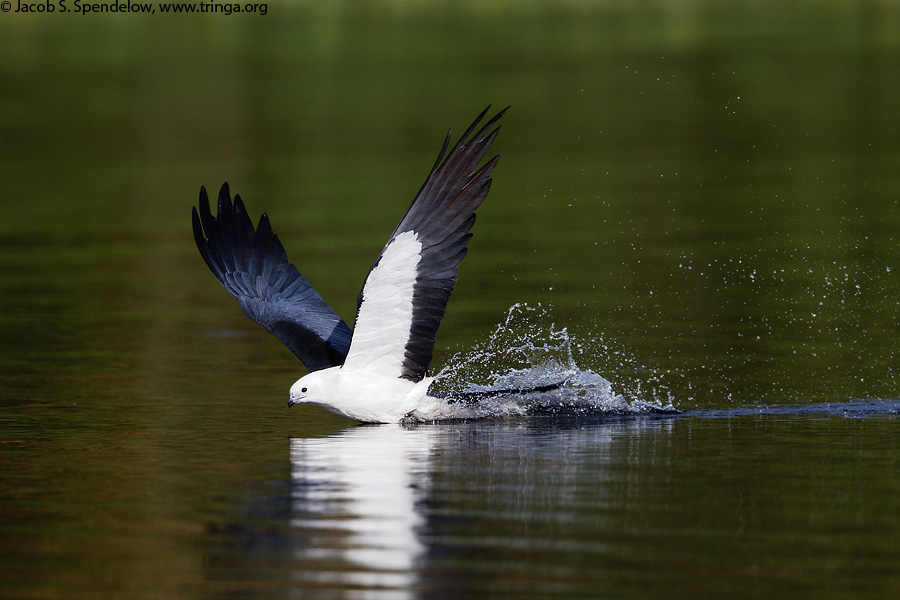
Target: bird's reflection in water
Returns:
[[451, 510], [354, 506]]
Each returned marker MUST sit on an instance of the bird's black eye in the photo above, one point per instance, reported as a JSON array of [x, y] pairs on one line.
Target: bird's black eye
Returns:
[[303, 390]]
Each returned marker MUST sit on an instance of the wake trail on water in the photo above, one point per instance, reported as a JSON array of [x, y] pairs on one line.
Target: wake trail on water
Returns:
[[526, 367]]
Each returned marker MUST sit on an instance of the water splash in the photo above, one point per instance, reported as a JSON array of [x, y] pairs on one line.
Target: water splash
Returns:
[[526, 367]]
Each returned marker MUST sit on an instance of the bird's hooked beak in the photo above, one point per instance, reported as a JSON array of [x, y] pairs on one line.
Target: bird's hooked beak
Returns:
[[296, 396]]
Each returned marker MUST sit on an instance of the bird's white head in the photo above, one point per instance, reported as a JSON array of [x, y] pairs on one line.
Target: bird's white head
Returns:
[[309, 388]]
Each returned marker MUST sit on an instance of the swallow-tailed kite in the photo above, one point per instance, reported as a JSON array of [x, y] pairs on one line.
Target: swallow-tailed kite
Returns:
[[377, 373]]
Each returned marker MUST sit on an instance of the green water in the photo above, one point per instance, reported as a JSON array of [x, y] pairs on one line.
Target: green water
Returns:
[[704, 194]]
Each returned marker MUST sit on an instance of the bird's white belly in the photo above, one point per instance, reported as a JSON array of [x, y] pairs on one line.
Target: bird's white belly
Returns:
[[374, 399]]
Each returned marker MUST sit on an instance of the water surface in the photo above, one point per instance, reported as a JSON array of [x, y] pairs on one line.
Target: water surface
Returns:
[[700, 199]]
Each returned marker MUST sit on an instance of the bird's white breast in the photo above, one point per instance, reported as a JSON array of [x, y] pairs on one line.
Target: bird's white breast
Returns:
[[363, 396]]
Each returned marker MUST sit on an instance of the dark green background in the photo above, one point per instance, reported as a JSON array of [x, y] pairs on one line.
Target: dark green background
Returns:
[[704, 193]]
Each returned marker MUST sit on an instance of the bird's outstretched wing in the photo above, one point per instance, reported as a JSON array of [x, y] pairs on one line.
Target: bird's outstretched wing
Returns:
[[254, 268], [406, 292]]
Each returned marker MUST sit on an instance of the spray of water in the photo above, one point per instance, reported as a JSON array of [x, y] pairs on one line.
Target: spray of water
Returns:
[[526, 367]]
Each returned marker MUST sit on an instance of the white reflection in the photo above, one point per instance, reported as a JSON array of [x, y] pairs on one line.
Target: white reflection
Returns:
[[354, 505]]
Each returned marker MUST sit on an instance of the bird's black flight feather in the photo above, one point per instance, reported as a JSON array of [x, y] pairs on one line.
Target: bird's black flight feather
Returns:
[[254, 268]]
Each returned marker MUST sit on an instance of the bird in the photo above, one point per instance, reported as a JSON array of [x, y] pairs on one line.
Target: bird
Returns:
[[378, 371]]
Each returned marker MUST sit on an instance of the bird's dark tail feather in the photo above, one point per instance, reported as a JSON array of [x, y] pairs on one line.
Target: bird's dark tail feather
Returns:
[[477, 396], [472, 398]]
